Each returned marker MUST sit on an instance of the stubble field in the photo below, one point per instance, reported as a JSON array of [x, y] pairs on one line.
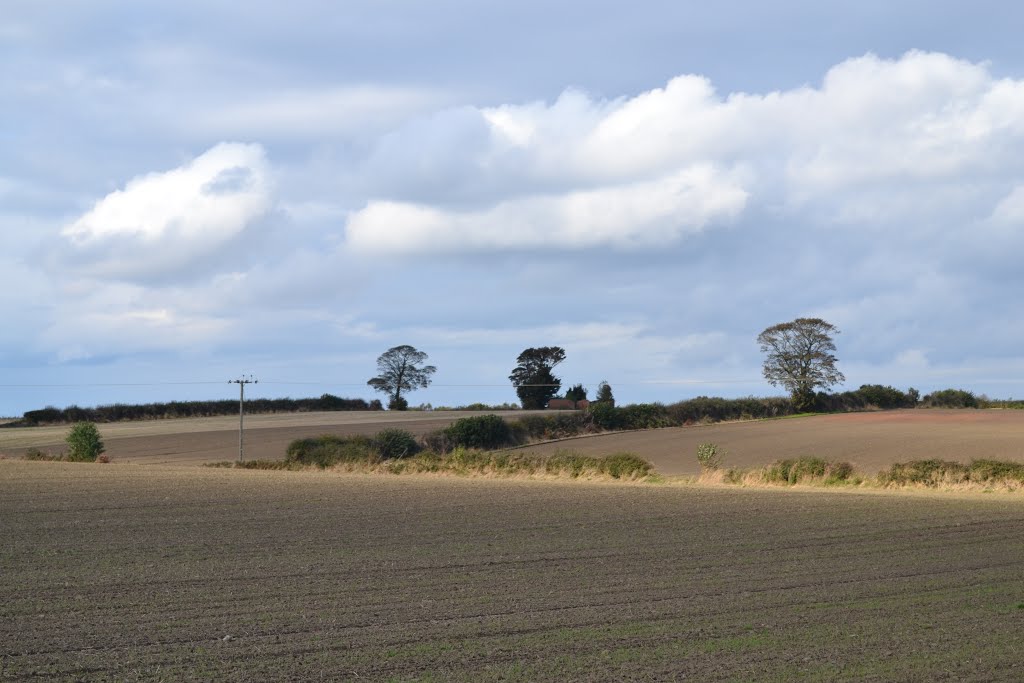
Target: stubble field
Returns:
[[122, 572]]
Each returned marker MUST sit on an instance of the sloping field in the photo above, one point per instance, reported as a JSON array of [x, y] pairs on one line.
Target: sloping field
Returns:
[[212, 439], [869, 441], [121, 572]]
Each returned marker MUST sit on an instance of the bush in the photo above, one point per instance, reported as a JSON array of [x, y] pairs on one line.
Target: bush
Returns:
[[37, 454], [709, 457], [398, 403], [324, 451], [996, 470], [84, 443], [480, 431], [624, 466], [928, 472], [395, 443], [950, 398], [643, 416], [605, 415], [800, 469]]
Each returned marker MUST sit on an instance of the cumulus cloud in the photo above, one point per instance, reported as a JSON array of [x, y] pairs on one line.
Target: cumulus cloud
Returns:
[[161, 222], [878, 140], [638, 215]]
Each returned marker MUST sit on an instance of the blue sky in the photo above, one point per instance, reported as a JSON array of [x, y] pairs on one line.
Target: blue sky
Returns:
[[190, 191]]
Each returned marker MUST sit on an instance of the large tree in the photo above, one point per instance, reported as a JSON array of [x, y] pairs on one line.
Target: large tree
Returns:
[[799, 357], [532, 377], [399, 372]]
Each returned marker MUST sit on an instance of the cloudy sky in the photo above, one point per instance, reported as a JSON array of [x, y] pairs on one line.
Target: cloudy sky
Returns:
[[194, 190]]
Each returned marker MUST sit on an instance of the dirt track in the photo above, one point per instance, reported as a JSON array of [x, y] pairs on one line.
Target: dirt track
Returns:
[[122, 572], [869, 441]]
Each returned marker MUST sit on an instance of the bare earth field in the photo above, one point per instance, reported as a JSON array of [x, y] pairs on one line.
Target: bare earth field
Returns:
[[122, 572], [214, 439], [869, 441]]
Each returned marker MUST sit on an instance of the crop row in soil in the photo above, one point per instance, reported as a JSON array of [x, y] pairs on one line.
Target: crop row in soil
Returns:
[[126, 572]]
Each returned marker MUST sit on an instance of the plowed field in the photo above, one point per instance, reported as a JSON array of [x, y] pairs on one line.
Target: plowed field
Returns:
[[121, 572], [869, 441], [213, 439]]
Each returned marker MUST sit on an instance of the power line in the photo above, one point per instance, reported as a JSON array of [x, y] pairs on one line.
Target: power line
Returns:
[[241, 382]]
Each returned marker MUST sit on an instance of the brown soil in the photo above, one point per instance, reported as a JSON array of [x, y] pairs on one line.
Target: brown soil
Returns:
[[869, 441], [201, 440], [120, 572]]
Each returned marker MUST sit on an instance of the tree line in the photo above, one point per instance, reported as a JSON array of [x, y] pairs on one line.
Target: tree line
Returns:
[[120, 412]]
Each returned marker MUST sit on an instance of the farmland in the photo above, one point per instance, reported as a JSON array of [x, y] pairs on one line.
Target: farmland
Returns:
[[212, 439], [869, 441], [182, 573]]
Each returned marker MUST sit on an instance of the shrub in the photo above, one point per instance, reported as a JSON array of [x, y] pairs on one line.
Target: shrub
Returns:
[[807, 467], [84, 443], [37, 454], [480, 431], [395, 443], [328, 450], [996, 470], [927, 472], [643, 416], [950, 398], [624, 466], [709, 457], [604, 415]]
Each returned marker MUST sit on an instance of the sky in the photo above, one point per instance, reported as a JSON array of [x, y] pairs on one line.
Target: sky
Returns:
[[191, 191]]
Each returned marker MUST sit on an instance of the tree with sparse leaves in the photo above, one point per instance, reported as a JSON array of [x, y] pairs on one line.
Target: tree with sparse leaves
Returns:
[[399, 371], [800, 358], [533, 378]]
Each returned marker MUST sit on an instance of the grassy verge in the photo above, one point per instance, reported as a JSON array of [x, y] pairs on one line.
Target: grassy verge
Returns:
[[476, 462], [978, 475]]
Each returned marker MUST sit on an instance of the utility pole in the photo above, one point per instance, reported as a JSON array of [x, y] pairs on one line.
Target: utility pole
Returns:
[[241, 382]]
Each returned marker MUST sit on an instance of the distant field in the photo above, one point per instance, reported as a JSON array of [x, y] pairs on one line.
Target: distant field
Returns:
[[211, 439], [121, 572], [869, 441]]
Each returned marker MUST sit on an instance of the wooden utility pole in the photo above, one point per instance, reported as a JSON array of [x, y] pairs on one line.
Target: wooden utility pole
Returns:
[[241, 382]]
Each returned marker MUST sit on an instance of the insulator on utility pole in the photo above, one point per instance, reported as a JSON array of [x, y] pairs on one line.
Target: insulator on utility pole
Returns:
[[241, 382]]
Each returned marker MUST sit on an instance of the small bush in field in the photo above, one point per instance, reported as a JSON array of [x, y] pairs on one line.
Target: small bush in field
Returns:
[[84, 443], [709, 456], [804, 468], [480, 431], [327, 450], [395, 443]]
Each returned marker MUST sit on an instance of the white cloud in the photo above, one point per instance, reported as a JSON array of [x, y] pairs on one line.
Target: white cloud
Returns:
[[161, 222], [878, 141], [642, 214]]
